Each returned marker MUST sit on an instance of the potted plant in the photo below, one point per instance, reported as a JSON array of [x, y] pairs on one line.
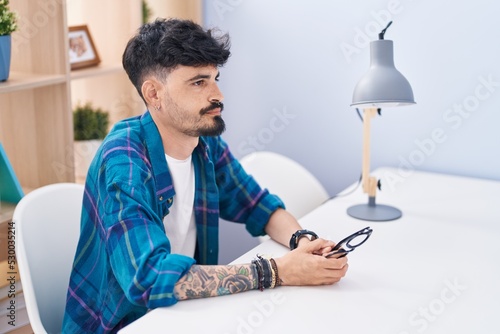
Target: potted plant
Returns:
[[146, 11], [8, 24], [90, 126]]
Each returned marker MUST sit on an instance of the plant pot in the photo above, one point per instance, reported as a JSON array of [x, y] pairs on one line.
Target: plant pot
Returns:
[[5, 51], [85, 151]]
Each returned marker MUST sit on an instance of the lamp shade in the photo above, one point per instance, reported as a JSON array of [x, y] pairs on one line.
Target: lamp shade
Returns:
[[383, 85]]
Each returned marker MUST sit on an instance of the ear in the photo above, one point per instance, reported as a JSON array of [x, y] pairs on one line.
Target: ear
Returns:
[[150, 91]]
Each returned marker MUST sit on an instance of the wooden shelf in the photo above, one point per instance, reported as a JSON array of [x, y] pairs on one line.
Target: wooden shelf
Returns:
[[101, 70], [36, 102], [23, 80]]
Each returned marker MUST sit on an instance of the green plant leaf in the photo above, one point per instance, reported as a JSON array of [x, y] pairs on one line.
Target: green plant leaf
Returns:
[[89, 122], [8, 19]]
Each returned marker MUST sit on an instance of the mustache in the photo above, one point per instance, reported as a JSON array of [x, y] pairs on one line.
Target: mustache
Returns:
[[212, 106]]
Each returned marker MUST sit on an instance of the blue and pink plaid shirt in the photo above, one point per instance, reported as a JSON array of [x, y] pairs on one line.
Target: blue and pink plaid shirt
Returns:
[[123, 265]]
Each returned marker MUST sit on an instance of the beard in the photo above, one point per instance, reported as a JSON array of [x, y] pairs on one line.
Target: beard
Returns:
[[196, 125], [217, 128]]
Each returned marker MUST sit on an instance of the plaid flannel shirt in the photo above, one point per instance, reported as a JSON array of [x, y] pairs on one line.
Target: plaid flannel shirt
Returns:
[[123, 265]]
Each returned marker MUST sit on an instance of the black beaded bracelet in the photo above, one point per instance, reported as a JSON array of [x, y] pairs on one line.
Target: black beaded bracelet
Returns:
[[267, 272], [260, 274]]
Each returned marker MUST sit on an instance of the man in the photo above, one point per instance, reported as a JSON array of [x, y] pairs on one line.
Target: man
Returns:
[[157, 187]]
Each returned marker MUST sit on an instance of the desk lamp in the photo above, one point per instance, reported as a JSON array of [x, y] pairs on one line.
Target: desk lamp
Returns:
[[382, 86]]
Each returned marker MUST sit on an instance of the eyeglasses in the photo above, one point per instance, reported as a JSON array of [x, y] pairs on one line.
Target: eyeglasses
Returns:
[[347, 245]]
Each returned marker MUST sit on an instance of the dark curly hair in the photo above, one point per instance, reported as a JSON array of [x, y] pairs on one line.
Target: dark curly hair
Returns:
[[160, 46]]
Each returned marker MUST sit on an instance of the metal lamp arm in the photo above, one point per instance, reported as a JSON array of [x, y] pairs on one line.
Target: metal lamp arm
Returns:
[[369, 182]]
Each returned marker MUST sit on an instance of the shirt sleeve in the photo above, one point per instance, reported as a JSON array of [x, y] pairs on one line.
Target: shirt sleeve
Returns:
[[241, 198]]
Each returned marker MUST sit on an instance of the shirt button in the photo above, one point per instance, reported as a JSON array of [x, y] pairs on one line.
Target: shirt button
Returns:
[[169, 200], [161, 198]]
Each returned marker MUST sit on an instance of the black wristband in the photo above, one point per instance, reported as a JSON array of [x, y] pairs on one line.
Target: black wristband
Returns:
[[294, 240], [260, 274], [267, 273]]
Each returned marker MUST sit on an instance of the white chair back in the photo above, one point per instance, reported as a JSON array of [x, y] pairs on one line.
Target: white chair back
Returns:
[[47, 222], [296, 186]]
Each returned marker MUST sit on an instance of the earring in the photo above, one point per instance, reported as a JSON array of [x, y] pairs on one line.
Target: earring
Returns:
[[158, 108]]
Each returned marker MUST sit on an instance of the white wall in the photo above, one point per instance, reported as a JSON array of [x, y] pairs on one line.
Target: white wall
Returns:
[[294, 64], [288, 87]]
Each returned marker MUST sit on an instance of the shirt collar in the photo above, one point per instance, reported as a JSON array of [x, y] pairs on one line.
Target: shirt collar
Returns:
[[156, 152]]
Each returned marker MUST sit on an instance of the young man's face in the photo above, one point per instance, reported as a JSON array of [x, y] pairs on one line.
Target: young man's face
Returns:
[[191, 101]]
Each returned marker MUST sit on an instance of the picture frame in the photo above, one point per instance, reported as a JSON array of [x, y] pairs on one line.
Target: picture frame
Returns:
[[82, 51]]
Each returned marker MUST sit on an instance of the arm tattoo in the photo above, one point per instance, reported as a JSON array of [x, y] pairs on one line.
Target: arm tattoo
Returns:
[[211, 281]]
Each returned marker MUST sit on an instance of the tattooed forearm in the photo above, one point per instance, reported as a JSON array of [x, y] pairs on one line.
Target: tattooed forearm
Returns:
[[210, 281]]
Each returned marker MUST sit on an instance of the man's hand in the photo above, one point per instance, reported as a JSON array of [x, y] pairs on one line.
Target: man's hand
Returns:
[[323, 251], [305, 265]]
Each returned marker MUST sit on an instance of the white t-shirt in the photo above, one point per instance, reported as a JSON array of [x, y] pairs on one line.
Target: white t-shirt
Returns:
[[179, 223]]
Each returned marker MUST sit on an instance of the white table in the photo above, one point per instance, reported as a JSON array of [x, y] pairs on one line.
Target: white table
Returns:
[[435, 270]]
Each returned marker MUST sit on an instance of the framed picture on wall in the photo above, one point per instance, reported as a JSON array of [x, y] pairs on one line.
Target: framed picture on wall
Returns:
[[82, 51]]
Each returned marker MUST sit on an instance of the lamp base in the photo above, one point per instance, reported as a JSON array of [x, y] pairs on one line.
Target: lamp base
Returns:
[[374, 212]]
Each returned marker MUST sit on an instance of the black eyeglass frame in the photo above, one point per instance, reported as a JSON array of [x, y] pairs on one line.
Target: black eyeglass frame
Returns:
[[343, 247]]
